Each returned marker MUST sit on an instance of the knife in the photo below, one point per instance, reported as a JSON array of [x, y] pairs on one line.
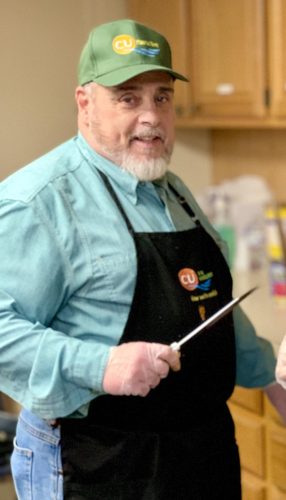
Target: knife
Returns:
[[176, 346]]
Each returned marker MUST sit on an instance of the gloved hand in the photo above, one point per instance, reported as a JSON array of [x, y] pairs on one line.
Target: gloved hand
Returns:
[[281, 364], [277, 396], [135, 368]]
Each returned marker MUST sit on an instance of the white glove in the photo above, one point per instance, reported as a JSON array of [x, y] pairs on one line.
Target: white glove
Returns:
[[277, 396], [135, 368], [281, 364]]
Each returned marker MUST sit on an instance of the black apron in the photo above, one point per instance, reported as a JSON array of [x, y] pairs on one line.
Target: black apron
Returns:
[[177, 442]]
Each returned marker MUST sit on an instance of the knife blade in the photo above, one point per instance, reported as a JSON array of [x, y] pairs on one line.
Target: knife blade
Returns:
[[212, 319]]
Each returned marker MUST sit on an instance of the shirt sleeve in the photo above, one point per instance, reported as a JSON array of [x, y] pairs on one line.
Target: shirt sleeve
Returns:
[[255, 358], [45, 370]]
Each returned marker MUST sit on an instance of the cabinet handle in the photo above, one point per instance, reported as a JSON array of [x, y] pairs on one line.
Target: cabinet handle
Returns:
[[192, 109], [225, 89], [179, 110], [195, 108]]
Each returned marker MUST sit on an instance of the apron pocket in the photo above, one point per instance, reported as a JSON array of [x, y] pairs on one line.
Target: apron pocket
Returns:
[[101, 455], [115, 490]]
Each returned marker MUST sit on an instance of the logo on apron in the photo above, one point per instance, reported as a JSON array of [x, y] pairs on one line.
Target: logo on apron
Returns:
[[188, 278], [200, 281]]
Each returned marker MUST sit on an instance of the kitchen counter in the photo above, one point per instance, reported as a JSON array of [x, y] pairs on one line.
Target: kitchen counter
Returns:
[[266, 312]]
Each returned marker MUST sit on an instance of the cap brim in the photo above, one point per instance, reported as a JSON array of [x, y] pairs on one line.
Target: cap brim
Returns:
[[121, 75]]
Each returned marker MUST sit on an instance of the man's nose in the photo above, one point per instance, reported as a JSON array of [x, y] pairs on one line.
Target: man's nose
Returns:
[[149, 114]]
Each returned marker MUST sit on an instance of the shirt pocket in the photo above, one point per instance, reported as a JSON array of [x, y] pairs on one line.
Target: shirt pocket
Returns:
[[115, 277]]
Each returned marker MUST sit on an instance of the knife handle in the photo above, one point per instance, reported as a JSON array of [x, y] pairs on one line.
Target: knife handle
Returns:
[[175, 346]]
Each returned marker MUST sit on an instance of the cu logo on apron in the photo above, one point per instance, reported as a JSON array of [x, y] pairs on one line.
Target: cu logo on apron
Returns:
[[188, 278]]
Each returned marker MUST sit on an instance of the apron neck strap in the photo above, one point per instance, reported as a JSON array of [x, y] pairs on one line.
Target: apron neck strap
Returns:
[[116, 201], [183, 202]]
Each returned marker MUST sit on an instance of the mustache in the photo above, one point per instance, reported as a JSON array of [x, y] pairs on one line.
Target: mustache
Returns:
[[148, 134]]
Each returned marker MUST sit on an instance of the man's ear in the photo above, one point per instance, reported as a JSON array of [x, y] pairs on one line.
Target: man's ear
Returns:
[[83, 99]]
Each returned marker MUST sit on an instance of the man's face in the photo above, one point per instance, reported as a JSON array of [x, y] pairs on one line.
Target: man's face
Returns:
[[132, 124]]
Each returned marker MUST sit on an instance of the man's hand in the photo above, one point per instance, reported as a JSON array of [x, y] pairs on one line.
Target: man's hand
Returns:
[[281, 364], [135, 368]]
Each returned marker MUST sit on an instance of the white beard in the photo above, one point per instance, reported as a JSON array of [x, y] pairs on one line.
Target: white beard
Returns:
[[147, 169], [144, 169]]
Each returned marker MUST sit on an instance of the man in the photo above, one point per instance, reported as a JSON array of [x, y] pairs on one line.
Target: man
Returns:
[[106, 259]]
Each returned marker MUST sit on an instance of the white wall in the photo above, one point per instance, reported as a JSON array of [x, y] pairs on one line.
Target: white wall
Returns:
[[192, 159], [40, 44]]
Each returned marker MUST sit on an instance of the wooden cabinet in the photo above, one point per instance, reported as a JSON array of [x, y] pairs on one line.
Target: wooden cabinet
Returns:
[[253, 489], [227, 57], [276, 17], [250, 433], [261, 437], [277, 456], [234, 54]]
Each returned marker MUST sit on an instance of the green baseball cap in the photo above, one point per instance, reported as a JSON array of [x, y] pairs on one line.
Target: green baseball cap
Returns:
[[120, 50]]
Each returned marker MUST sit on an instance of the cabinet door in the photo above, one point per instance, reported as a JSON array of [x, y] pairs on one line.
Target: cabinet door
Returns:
[[276, 494], [251, 399], [276, 15], [250, 435], [277, 456], [171, 19], [252, 487], [227, 57]]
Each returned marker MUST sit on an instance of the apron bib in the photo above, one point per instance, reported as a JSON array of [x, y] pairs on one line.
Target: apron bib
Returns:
[[178, 441]]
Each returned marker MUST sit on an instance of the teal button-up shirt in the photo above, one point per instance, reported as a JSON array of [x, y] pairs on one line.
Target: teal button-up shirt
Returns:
[[68, 271]]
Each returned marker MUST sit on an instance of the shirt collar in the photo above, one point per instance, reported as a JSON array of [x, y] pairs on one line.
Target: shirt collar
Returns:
[[162, 183], [126, 181]]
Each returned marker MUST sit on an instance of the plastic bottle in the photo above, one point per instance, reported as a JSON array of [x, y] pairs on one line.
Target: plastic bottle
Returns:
[[223, 225]]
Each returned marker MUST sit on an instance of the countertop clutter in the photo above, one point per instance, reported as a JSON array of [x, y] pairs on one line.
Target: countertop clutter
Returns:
[[267, 313]]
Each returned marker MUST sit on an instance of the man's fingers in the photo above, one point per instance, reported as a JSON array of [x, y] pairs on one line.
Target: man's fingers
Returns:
[[176, 366], [137, 367], [171, 358]]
